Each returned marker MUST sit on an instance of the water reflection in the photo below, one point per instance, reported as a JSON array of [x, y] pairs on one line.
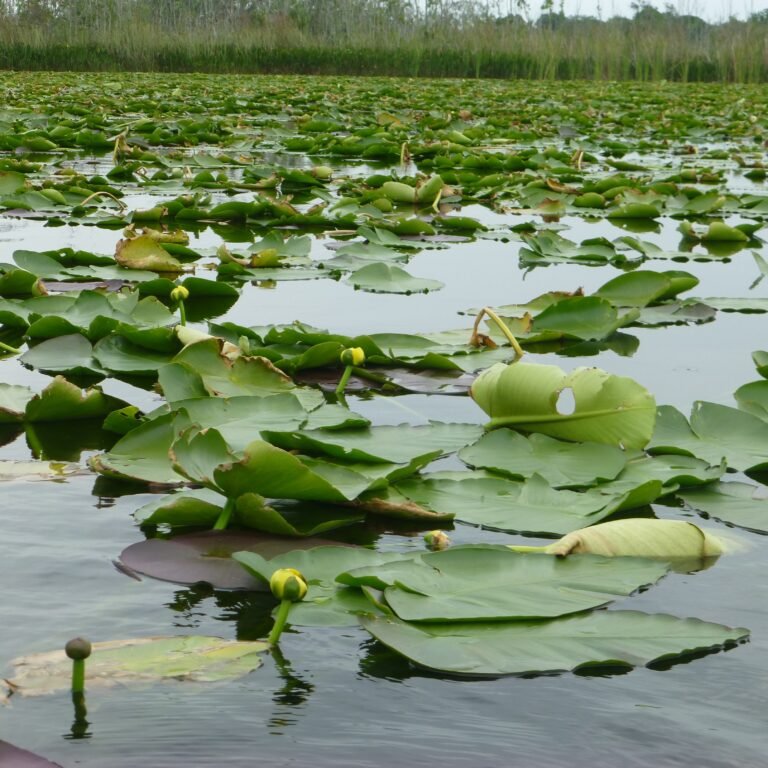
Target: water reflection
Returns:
[[79, 728], [251, 612]]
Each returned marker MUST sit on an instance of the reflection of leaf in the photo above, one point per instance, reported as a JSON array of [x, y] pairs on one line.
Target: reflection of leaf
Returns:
[[605, 638], [608, 409], [141, 660]]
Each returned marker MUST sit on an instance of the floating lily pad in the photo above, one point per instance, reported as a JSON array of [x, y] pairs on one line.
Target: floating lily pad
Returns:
[[387, 278], [561, 464], [608, 409], [13, 757], [742, 504], [193, 658], [714, 432], [462, 584], [204, 558], [602, 639]]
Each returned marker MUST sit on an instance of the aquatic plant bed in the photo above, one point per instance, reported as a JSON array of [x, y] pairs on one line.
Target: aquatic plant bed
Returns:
[[436, 409]]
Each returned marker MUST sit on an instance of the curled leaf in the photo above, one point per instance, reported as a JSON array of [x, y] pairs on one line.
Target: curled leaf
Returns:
[[607, 409]]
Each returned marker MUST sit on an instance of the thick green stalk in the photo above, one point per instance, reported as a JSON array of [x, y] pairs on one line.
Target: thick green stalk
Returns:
[[280, 621], [226, 515], [342, 385], [78, 676]]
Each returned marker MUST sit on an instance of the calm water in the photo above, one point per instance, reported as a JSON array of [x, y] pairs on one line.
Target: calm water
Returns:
[[337, 698]]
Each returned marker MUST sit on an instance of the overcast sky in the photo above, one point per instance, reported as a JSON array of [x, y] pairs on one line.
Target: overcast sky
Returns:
[[712, 10]]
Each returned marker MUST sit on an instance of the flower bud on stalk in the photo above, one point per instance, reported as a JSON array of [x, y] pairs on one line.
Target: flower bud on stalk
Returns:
[[78, 649], [351, 358], [289, 586], [179, 294], [437, 540]]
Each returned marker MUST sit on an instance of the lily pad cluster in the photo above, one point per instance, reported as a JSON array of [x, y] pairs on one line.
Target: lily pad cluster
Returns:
[[250, 442]]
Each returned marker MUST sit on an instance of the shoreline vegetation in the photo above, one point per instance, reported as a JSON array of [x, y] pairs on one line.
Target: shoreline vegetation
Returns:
[[438, 38]]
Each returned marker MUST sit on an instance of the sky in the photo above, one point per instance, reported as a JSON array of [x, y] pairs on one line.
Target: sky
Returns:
[[711, 10]]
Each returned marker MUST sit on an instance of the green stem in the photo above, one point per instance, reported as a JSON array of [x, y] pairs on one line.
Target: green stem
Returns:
[[364, 373], [78, 676], [34, 442], [9, 348], [501, 326], [525, 548], [280, 620], [342, 385], [182, 313], [222, 523]]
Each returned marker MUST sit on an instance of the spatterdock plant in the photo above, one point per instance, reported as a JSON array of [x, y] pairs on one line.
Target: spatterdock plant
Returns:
[[179, 294], [289, 586], [526, 396], [351, 358]]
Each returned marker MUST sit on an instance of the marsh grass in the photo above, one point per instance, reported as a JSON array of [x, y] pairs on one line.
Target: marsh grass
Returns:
[[359, 42]]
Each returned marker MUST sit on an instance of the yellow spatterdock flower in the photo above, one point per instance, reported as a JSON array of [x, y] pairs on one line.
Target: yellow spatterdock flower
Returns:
[[437, 540], [288, 584], [179, 293], [353, 356]]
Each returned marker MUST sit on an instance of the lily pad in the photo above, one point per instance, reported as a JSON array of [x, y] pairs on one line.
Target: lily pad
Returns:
[[13, 757], [205, 557], [608, 409], [714, 432], [192, 658], [561, 464], [462, 584], [742, 504], [388, 278], [602, 639]]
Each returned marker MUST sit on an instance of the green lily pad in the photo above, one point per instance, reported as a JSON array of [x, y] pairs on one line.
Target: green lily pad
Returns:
[[714, 432], [753, 398], [379, 444], [561, 464], [193, 658], [602, 639], [145, 253], [532, 507], [387, 278], [462, 584], [608, 409], [742, 504]]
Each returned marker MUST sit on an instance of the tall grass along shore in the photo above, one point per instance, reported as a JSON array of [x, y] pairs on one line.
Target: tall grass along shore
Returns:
[[436, 38]]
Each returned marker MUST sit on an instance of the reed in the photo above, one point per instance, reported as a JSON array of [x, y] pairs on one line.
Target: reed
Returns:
[[382, 37]]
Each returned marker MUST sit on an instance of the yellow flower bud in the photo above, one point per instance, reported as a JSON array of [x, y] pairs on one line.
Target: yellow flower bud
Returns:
[[437, 540], [179, 293], [353, 356], [288, 584]]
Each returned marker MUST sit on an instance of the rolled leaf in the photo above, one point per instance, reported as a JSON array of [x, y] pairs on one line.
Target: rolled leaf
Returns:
[[608, 409]]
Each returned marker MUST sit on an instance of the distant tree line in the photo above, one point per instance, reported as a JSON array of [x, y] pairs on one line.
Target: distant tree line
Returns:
[[497, 38]]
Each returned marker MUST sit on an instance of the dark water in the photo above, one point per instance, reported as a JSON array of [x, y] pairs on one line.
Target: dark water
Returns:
[[337, 698]]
